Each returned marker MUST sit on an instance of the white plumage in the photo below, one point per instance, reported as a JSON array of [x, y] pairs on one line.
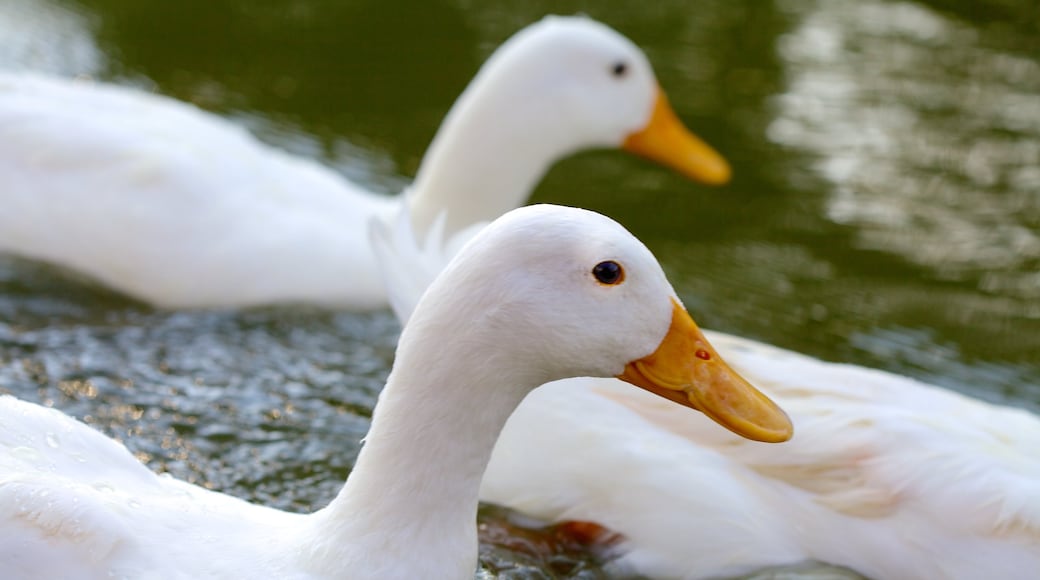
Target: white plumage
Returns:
[[886, 475]]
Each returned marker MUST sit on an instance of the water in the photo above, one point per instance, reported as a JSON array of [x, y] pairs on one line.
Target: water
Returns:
[[885, 209]]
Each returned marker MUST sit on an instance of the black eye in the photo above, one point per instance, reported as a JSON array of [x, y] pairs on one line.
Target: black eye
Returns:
[[619, 69], [609, 272]]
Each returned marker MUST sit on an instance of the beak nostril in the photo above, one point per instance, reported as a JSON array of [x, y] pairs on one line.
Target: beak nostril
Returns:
[[714, 389]]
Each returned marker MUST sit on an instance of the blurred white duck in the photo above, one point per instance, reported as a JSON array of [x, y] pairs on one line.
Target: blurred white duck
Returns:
[[181, 208], [544, 293]]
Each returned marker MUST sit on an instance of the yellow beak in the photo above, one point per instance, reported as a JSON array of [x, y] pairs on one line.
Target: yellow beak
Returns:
[[667, 141], [687, 370]]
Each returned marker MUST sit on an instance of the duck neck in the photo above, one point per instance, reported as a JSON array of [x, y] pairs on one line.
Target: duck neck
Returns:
[[486, 158], [412, 496]]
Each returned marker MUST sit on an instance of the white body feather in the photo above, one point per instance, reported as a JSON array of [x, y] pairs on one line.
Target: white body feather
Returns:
[[885, 475], [173, 205]]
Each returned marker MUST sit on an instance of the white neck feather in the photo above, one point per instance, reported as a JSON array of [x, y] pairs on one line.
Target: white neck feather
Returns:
[[492, 149], [412, 497]]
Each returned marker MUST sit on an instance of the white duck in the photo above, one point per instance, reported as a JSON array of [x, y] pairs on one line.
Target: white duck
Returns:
[[542, 294], [180, 208]]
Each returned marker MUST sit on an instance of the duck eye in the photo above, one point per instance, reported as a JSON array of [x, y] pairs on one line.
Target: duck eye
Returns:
[[619, 69], [609, 273]]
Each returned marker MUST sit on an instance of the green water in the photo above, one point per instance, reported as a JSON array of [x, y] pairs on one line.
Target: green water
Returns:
[[885, 209]]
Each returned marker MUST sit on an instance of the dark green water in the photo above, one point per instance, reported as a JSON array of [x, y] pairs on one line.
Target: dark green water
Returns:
[[885, 209]]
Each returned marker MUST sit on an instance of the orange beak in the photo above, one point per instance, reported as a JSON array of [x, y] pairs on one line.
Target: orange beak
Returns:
[[687, 370], [668, 142]]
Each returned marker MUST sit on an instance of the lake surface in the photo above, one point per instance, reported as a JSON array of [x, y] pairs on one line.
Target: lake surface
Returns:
[[885, 209]]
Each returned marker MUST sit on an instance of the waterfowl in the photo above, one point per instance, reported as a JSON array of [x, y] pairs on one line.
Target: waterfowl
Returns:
[[182, 209], [542, 294]]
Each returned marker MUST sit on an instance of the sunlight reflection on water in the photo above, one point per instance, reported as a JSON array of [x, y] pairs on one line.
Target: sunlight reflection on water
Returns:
[[931, 142]]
